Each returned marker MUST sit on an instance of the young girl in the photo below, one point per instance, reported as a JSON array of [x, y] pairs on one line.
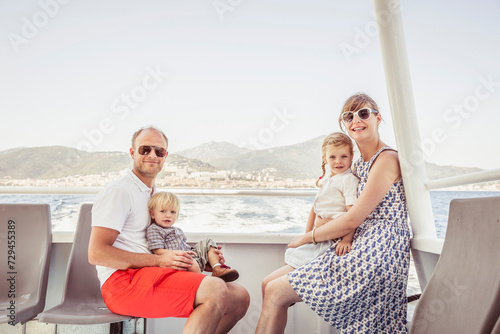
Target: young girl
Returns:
[[337, 192], [161, 234]]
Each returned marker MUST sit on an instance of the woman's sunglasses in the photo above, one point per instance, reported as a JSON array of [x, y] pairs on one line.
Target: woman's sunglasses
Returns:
[[146, 149], [363, 114]]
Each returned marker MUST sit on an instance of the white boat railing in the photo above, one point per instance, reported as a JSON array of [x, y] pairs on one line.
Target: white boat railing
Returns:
[[460, 180], [292, 192], [406, 130], [404, 116], [426, 247], [20, 190]]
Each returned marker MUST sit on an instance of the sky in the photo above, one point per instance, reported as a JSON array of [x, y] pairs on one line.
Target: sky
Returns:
[[255, 73]]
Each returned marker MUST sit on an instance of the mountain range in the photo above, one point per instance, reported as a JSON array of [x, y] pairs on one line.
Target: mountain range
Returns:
[[51, 162], [299, 161]]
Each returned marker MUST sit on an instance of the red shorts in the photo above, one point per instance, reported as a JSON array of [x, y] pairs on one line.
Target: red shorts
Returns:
[[151, 292]]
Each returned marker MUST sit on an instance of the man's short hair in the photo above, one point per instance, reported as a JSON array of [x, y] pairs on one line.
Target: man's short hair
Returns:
[[138, 132]]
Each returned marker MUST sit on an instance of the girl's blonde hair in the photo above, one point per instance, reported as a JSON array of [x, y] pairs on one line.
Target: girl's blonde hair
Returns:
[[356, 102], [337, 139], [163, 200]]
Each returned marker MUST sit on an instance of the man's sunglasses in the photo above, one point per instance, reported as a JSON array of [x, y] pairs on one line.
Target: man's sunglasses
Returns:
[[146, 149], [363, 114]]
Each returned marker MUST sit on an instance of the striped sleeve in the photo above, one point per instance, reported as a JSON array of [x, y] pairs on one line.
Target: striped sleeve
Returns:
[[155, 237]]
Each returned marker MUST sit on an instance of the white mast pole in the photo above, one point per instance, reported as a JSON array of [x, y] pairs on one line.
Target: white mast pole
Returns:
[[397, 73]]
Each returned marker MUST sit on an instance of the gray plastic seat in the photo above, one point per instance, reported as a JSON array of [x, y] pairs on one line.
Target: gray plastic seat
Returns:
[[463, 294], [26, 233], [82, 302], [496, 329]]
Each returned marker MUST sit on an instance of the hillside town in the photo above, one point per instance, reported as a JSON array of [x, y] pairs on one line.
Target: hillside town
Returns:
[[174, 176], [177, 176]]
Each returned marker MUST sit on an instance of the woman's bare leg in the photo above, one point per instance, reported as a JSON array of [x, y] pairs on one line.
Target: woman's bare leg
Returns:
[[279, 295], [275, 274]]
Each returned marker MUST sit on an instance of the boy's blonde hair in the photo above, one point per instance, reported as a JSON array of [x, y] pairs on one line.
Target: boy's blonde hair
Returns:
[[336, 139], [164, 199]]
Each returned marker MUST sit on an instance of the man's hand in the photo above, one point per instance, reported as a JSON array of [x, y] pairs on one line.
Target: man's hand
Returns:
[[175, 259], [221, 258]]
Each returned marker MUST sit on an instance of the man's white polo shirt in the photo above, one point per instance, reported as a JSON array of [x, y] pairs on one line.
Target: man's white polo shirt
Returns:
[[123, 206]]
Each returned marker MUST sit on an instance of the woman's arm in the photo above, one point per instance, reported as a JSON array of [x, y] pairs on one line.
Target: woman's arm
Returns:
[[384, 172], [344, 245]]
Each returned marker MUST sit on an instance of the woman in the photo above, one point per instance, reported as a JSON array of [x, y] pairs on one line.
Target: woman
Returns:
[[363, 291]]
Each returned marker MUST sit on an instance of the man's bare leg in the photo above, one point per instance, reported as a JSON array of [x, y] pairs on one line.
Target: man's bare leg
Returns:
[[218, 306], [208, 311], [236, 308]]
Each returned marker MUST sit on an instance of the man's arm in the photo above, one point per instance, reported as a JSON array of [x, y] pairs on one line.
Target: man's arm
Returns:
[[102, 252]]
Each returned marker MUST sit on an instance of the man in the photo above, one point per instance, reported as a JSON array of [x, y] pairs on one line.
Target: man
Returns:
[[134, 281]]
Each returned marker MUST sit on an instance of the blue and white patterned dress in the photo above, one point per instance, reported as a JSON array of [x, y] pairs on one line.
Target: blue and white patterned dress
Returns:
[[364, 291]]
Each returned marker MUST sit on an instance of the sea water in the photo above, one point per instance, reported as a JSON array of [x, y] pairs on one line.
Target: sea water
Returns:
[[238, 214], [232, 214]]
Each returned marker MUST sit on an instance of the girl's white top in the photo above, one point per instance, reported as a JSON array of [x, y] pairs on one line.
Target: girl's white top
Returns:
[[335, 194]]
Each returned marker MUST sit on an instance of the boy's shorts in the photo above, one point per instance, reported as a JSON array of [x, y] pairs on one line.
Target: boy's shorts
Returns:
[[201, 249], [151, 292]]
